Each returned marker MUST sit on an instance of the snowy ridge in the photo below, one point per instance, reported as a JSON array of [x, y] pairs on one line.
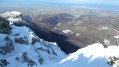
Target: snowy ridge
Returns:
[[22, 48], [94, 55], [45, 50], [12, 16]]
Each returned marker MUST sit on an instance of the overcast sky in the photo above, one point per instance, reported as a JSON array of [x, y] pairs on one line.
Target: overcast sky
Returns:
[[113, 2]]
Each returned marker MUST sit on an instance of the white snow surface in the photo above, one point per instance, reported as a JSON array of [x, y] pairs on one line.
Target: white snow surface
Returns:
[[94, 55], [48, 59], [103, 28], [12, 16], [67, 31], [117, 37], [106, 41], [77, 34]]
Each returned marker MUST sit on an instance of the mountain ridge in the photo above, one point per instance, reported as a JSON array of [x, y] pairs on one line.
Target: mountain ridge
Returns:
[[23, 46], [20, 47]]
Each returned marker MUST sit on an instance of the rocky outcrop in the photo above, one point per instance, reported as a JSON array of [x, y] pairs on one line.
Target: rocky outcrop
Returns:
[[3, 63], [8, 47], [21, 40], [4, 26]]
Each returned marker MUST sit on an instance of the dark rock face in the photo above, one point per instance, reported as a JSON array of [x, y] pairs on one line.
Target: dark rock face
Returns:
[[34, 40], [8, 47], [25, 57], [40, 60], [7, 38], [3, 63], [17, 58], [4, 26], [21, 40], [30, 63]]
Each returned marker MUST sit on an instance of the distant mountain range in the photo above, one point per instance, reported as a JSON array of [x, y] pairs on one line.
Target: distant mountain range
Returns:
[[53, 20]]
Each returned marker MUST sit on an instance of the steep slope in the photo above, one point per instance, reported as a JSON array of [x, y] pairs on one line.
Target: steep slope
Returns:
[[22, 48]]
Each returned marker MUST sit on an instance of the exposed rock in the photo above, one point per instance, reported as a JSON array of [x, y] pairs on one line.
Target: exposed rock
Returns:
[[25, 57], [16, 34], [21, 40], [3, 63], [4, 26], [53, 51], [41, 49], [34, 40], [17, 58], [40, 60], [7, 38], [7, 49], [31, 63]]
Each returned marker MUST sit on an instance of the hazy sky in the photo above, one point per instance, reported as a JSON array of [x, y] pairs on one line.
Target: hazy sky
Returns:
[[112, 2]]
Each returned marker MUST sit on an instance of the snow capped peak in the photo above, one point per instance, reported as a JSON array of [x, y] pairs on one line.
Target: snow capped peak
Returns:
[[12, 16]]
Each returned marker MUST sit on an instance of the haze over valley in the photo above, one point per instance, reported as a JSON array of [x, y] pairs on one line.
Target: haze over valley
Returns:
[[59, 33]]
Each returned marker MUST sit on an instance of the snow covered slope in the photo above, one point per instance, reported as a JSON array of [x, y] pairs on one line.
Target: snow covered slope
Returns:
[[22, 48], [12, 16], [94, 55]]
